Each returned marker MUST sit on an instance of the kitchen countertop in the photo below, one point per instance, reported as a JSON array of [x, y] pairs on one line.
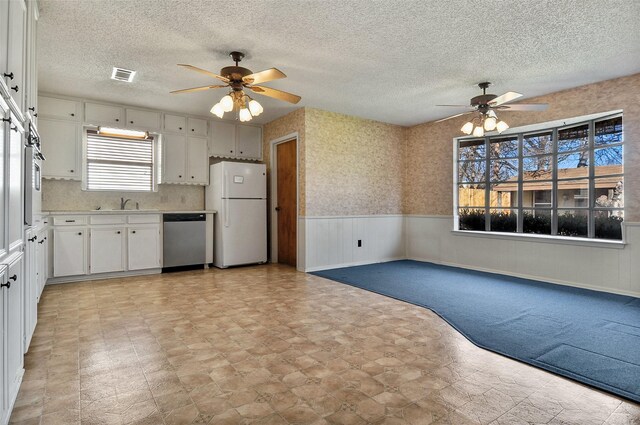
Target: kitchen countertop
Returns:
[[95, 212]]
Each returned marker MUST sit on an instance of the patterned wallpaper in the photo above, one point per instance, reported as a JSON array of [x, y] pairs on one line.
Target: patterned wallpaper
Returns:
[[283, 126], [64, 195], [429, 152], [353, 166]]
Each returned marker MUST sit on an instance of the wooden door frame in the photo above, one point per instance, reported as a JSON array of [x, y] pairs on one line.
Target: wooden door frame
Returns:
[[273, 203]]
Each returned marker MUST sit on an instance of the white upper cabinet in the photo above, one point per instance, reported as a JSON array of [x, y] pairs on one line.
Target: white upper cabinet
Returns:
[[4, 37], [15, 153], [52, 107], [143, 120], [229, 140], [197, 161], [174, 163], [98, 114], [174, 123], [14, 72], [223, 139], [196, 127], [31, 95], [61, 144], [249, 142]]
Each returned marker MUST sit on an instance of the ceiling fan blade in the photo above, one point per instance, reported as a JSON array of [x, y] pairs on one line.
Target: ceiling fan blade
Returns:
[[459, 106], [504, 98], [204, 71], [277, 94], [196, 89], [525, 107], [454, 116], [264, 76]]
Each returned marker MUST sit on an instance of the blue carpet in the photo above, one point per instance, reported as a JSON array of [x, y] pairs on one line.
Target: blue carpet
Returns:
[[590, 336]]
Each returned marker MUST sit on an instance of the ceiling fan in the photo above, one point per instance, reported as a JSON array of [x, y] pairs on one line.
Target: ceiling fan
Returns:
[[238, 78], [485, 106]]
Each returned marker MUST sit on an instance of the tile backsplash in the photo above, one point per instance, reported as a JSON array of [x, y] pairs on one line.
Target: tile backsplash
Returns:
[[64, 195]]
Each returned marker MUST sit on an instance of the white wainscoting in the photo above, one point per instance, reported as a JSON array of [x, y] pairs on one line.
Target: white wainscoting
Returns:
[[611, 269], [330, 242]]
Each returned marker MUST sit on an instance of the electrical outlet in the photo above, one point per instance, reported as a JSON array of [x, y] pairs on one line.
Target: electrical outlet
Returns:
[[359, 243]]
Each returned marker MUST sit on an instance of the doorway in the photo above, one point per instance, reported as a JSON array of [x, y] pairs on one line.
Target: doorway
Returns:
[[286, 205]]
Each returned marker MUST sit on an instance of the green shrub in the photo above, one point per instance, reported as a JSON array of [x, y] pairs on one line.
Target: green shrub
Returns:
[[570, 224], [609, 227]]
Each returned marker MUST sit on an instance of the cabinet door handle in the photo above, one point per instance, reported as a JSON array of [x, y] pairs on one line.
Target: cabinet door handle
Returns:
[[79, 233], [41, 242], [9, 75], [193, 129], [179, 128], [133, 231], [71, 171], [5, 285], [69, 221], [117, 119], [15, 88], [14, 128], [118, 232], [7, 120], [192, 177], [180, 177], [240, 151], [131, 122], [72, 114], [14, 277]]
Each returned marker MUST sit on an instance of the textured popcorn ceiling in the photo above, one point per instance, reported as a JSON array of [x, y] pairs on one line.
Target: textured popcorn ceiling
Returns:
[[389, 60]]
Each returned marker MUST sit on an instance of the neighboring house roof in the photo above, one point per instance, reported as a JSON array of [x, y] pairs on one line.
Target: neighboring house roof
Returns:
[[532, 178]]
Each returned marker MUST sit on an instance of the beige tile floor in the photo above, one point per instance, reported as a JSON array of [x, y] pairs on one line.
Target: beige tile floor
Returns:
[[270, 345]]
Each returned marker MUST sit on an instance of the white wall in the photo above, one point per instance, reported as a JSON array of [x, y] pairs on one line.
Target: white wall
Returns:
[[606, 268], [331, 242]]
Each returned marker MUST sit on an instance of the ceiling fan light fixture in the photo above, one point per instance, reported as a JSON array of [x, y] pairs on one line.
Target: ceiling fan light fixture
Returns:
[[255, 108], [217, 110], [478, 131], [226, 103], [490, 124], [467, 128], [245, 115], [502, 126]]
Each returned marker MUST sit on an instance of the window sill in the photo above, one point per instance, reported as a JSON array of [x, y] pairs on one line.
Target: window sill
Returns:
[[559, 240]]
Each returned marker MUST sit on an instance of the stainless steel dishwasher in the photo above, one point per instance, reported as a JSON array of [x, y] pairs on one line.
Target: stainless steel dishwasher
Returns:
[[184, 241]]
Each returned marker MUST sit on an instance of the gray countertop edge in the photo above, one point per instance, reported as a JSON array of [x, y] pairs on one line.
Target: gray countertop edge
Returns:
[[101, 212]]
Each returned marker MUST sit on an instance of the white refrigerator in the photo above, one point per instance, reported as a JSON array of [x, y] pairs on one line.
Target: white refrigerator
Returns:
[[238, 192]]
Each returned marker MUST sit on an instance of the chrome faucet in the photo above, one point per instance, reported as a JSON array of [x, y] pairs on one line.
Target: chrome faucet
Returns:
[[123, 203]]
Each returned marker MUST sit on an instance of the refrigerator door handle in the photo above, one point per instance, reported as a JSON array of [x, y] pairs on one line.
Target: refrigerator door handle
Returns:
[[226, 212], [226, 193]]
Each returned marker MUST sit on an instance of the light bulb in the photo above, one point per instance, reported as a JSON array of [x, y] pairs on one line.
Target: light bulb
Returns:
[[217, 110], [478, 131], [501, 126], [467, 128], [226, 103], [245, 115], [490, 124], [255, 108]]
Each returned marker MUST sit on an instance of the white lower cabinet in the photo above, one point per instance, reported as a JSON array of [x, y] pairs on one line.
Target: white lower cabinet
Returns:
[[31, 287], [143, 247], [100, 246], [107, 250], [12, 305], [69, 251], [42, 259], [4, 406]]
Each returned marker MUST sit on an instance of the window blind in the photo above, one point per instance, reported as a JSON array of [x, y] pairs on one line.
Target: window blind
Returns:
[[119, 164]]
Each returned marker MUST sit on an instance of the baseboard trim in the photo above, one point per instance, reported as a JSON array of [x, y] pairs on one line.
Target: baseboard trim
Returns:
[[100, 276], [531, 277], [356, 263]]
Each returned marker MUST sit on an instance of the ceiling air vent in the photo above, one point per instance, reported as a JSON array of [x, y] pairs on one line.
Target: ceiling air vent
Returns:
[[122, 74]]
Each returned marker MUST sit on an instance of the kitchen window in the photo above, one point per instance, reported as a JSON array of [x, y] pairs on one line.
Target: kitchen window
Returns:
[[119, 163], [563, 181]]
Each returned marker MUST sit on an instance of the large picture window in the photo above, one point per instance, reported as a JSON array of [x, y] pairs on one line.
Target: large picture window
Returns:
[[562, 181]]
